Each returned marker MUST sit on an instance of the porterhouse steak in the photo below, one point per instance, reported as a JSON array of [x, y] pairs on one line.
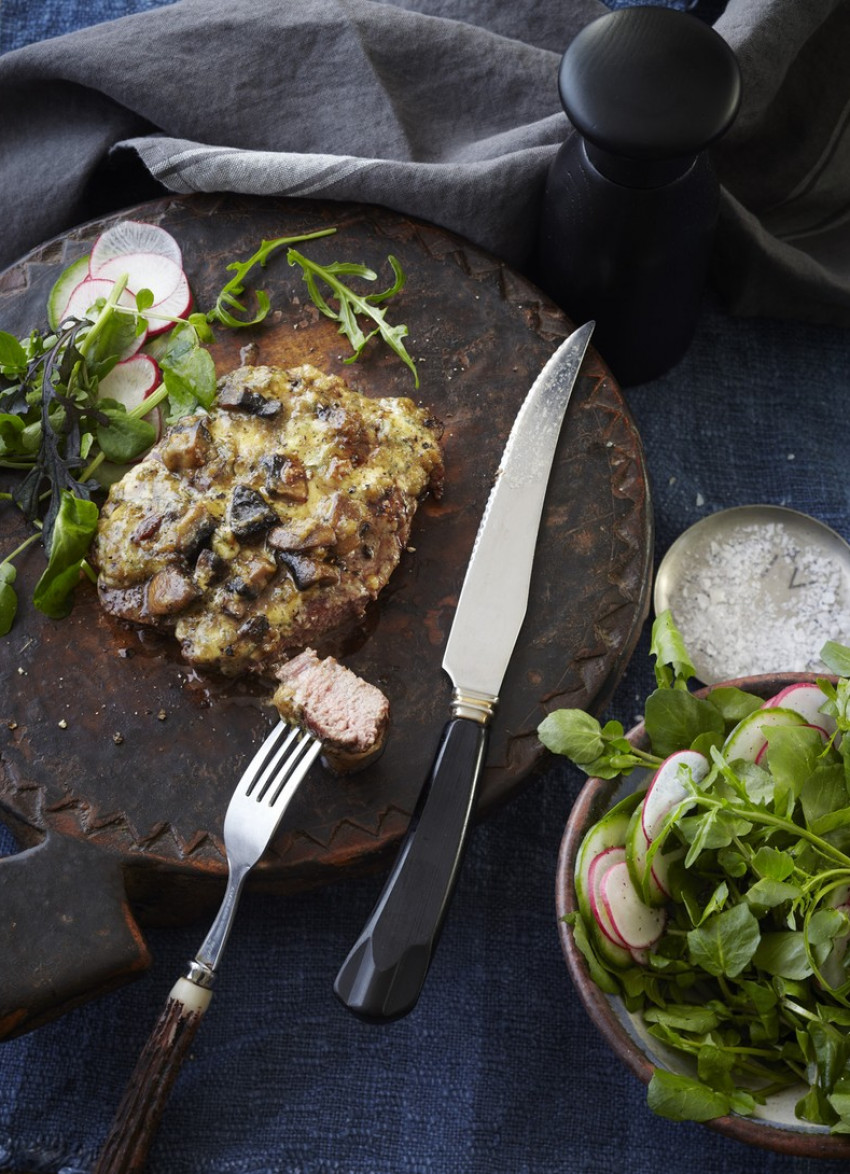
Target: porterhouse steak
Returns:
[[269, 523]]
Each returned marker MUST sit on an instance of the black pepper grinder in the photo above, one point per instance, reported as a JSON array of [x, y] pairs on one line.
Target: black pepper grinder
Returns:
[[631, 201]]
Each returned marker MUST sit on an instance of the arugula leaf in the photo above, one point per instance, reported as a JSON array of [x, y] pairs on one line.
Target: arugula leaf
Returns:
[[228, 298], [350, 305]]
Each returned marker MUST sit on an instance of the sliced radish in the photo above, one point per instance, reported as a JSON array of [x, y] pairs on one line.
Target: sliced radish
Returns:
[[89, 291], [747, 740], [131, 381], [608, 832], [60, 294], [805, 698], [133, 236], [634, 922], [599, 867], [166, 281], [667, 788], [177, 305], [651, 880]]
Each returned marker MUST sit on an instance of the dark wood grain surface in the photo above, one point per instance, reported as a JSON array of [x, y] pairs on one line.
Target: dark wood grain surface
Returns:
[[111, 744]]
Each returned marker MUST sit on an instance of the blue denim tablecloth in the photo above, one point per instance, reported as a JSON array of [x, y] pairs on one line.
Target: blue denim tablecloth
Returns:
[[498, 1070]]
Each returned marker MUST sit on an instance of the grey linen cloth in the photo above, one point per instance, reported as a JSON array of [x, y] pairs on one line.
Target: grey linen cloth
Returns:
[[442, 109]]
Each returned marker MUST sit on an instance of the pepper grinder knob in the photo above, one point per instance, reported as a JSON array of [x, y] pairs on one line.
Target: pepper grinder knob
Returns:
[[631, 200]]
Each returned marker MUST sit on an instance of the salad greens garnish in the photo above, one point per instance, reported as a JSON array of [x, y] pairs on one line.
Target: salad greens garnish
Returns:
[[747, 980], [351, 304], [60, 429], [228, 298]]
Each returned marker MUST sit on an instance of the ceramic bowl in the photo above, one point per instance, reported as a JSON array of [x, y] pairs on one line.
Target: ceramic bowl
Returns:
[[776, 1128]]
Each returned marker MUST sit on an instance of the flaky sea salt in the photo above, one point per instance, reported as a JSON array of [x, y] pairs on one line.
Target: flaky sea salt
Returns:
[[758, 600]]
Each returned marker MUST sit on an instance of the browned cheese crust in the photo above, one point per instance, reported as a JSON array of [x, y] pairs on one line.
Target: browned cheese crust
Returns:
[[270, 522]]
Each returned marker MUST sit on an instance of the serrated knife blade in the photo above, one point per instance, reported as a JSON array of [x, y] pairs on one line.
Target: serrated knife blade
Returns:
[[384, 973]]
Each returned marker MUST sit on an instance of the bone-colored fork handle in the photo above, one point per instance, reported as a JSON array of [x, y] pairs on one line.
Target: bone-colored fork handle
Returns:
[[137, 1117]]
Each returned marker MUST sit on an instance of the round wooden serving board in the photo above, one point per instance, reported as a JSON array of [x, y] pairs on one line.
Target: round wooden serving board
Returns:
[[117, 761]]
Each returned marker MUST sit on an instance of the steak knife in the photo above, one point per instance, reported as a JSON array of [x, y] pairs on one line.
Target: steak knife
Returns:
[[383, 975]]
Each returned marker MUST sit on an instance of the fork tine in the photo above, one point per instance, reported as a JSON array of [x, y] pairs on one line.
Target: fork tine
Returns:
[[297, 765], [271, 750]]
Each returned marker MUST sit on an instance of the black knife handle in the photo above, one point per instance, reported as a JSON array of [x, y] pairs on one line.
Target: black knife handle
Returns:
[[383, 975]]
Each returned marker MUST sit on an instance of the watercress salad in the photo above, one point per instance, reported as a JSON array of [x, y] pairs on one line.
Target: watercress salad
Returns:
[[714, 899], [65, 408]]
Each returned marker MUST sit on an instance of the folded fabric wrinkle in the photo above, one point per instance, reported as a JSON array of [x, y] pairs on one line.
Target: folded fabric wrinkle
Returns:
[[371, 102]]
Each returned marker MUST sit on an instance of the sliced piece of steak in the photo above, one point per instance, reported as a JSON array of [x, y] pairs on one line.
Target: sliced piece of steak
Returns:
[[349, 716]]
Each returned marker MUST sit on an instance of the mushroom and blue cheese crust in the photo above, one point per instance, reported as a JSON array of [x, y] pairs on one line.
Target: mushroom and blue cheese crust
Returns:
[[269, 523]]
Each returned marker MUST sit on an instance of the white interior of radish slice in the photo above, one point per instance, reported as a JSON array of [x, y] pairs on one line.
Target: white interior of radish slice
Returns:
[[143, 271], [133, 236], [131, 381]]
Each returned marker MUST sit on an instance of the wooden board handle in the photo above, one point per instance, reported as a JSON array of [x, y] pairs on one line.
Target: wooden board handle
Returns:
[[134, 1127], [67, 931]]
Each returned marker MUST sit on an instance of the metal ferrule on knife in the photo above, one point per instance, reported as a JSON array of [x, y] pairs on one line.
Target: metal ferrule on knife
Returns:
[[477, 707]]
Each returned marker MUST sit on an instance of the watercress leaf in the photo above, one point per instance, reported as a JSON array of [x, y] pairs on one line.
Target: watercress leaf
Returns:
[[832, 823], [684, 1017], [188, 371], [772, 864], [714, 1067], [758, 784], [674, 718], [716, 901], [13, 357], [815, 1107], [11, 429], [742, 1102], [823, 792], [122, 437], [712, 829], [144, 300], [202, 328], [836, 657], [732, 863], [572, 732], [707, 742], [733, 704], [768, 894], [783, 953], [762, 997], [673, 666], [682, 1098], [8, 597], [73, 530], [792, 755], [825, 926], [726, 942]]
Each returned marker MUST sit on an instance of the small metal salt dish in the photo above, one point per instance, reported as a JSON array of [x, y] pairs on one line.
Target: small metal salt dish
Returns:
[[756, 589]]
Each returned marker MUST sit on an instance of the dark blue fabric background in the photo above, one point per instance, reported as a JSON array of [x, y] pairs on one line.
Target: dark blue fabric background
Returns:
[[498, 1070]]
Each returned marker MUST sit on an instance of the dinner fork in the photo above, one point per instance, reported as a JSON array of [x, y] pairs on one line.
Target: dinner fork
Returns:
[[262, 795]]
